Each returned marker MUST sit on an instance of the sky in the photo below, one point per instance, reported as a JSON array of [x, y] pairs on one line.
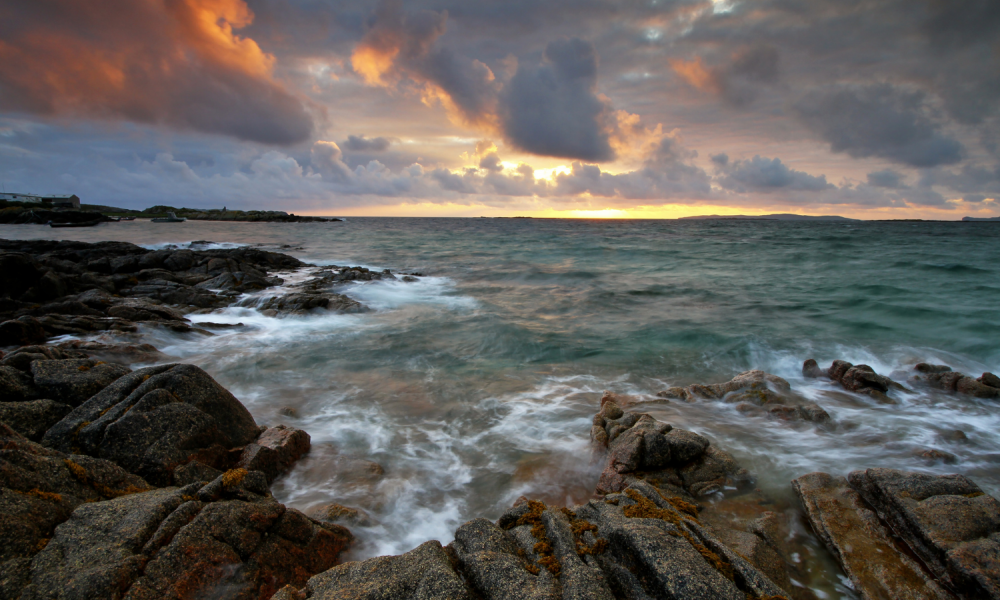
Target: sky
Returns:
[[874, 109]]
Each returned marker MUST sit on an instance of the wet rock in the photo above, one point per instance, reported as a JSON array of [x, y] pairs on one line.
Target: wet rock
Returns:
[[989, 379], [338, 513], [298, 303], [811, 369], [948, 522], [81, 324], [73, 381], [176, 293], [16, 386], [770, 393], [862, 379], [861, 544], [952, 381], [125, 354], [32, 419], [933, 455], [21, 331], [928, 368], [155, 419], [173, 543], [240, 281], [424, 573], [143, 309], [639, 446], [275, 451]]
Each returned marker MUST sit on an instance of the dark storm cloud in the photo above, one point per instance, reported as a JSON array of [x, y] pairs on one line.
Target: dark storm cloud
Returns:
[[763, 174], [886, 179], [359, 143], [878, 120], [171, 63], [552, 109]]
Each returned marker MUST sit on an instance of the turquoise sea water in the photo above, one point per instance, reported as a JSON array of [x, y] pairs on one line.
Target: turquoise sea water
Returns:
[[477, 384]]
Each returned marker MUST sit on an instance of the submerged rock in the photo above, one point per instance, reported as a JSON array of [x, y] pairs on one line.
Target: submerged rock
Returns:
[[943, 378], [860, 379], [754, 392]]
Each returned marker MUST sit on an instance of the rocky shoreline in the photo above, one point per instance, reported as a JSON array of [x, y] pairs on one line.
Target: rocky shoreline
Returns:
[[155, 482]]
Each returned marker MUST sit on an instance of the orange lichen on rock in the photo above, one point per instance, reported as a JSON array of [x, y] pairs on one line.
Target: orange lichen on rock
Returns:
[[644, 508], [233, 477]]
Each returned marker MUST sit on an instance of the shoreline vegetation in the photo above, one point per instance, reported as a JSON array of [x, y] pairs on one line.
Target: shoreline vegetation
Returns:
[[154, 482]]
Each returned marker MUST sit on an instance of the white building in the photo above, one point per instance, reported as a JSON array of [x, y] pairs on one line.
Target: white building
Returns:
[[21, 197]]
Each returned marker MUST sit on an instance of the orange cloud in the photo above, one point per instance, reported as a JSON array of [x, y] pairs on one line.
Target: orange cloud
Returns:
[[175, 62], [696, 75]]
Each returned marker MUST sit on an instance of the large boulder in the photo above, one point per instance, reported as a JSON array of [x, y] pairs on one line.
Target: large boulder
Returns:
[[73, 381], [640, 447], [299, 303], [155, 419], [948, 522], [39, 488], [225, 539], [861, 544]]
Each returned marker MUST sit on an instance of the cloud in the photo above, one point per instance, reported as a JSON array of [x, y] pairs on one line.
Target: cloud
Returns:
[[886, 179], [171, 62], [761, 174], [737, 81], [552, 109], [878, 120], [359, 143], [400, 46], [328, 159]]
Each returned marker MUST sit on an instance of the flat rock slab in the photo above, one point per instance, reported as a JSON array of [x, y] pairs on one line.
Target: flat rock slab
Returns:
[[862, 545], [946, 520], [424, 573]]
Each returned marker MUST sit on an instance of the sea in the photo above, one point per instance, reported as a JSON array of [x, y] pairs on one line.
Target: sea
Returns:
[[477, 383]]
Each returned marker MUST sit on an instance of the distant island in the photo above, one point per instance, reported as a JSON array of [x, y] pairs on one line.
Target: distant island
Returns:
[[995, 219], [37, 212], [775, 217]]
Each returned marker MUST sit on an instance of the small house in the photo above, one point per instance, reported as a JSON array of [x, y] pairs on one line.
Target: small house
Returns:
[[63, 201]]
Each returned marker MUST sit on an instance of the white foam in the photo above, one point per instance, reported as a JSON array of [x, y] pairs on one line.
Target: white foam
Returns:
[[389, 294]]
